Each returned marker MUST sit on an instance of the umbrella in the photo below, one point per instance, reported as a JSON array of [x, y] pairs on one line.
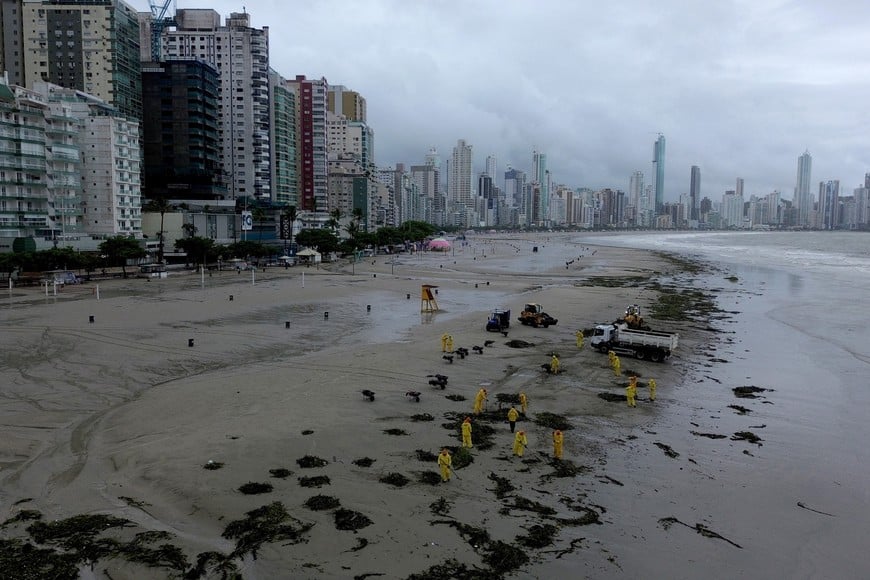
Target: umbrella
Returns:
[[439, 244]]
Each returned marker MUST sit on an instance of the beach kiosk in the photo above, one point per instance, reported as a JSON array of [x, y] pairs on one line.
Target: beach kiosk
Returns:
[[427, 303], [309, 256]]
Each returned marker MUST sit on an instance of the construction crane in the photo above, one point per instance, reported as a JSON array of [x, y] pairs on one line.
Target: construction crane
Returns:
[[159, 21]]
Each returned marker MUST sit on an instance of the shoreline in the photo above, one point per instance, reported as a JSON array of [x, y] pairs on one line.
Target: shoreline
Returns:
[[251, 418]]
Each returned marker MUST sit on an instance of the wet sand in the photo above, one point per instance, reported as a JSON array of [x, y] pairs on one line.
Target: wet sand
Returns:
[[120, 416]]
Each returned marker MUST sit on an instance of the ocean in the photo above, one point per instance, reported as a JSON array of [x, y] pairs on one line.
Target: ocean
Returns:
[[797, 505]]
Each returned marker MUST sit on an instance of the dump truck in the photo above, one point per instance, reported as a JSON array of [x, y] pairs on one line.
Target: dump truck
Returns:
[[641, 344], [534, 315]]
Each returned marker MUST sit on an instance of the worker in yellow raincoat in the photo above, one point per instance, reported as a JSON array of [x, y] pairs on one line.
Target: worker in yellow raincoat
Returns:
[[445, 463], [444, 342], [466, 433], [614, 363], [631, 391], [512, 417], [652, 389], [558, 438], [479, 400], [524, 403], [579, 335], [554, 365], [520, 443]]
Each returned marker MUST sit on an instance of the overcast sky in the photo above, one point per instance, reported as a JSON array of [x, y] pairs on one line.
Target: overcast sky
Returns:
[[738, 87]]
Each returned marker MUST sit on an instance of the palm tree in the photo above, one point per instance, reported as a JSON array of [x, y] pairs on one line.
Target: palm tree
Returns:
[[259, 215], [160, 205], [358, 215], [291, 214], [335, 219]]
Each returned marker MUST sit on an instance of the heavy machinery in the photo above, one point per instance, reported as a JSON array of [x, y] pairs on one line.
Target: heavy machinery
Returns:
[[633, 319], [534, 315], [499, 320], [642, 344]]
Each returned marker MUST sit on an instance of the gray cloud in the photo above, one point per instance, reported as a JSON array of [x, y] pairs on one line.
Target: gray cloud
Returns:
[[739, 87]]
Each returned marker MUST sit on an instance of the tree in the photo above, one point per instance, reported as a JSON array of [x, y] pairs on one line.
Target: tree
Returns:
[[160, 205], [198, 249], [334, 219], [291, 214], [324, 240], [119, 249], [189, 229], [352, 230]]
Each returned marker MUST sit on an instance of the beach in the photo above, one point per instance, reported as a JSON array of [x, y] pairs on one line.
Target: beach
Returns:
[[182, 391]]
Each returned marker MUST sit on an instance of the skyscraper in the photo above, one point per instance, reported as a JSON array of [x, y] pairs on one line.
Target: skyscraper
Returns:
[[459, 189], [86, 45], [491, 163], [802, 200], [311, 139], [241, 56], [659, 169], [541, 211], [829, 204], [695, 192]]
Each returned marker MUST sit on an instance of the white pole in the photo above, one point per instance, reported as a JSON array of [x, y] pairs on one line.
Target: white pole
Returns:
[[202, 276], [46, 287], [55, 287], [303, 279], [252, 275], [98, 291]]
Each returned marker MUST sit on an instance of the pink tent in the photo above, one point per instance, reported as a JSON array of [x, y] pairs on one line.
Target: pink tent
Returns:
[[439, 244]]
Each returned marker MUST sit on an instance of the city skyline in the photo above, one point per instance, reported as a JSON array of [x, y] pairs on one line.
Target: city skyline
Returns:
[[757, 96]]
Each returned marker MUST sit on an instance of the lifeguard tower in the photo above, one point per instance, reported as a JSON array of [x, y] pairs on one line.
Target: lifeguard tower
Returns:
[[427, 303]]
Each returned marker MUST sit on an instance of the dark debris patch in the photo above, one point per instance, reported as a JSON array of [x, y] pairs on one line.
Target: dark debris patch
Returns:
[[440, 507], [525, 504], [23, 516], [395, 479], [747, 436], [613, 397], [350, 520], [503, 486], [280, 472], [564, 468], [747, 392], [515, 343], [269, 523], [213, 565], [395, 431], [429, 477], [422, 417], [212, 465], [708, 435], [253, 488], [427, 456], [539, 536], [667, 449], [316, 481], [452, 569], [454, 397], [502, 557], [322, 502], [311, 461], [508, 398], [740, 410], [307, 432], [476, 537], [552, 421], [363, 462]]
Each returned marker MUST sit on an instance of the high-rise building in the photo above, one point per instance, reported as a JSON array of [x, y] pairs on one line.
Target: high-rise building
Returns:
[[695, 193], [659, 170], [802, 198], [739, 187], [12, 41], [542, 178], [180, 131], [829, 204], [341, 101], [459, 188], [241, 56], [86, 45], [311, 142], [635, 188], [348, 133], [491, 163], [285, 183], [514, 186]]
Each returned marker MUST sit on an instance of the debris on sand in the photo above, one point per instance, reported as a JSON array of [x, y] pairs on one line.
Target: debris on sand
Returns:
[[422, 417], [307, 432], [395, 431], [212, 464], [539, 536], [429, 477], [280, 473], [564, 468], [462, 457], [449, 569], [519, 344], [454, 397], [360, 544], [428, 456], [613, 480], [484, 433], [552, 421], [525, 504], [667, 449], [316, 481], [346, 519], [801, 504], [503, 486], [213, 565], [613, 397], [666, 523], [269, 523], [708, 435], [253, 488], [476, 537], [23, 516], [311, 461], [508, 398], [740, 410], [322, 502], [395, 479], [363, 462], [440, 507], [503, 557], [747, 436], [747, 392]]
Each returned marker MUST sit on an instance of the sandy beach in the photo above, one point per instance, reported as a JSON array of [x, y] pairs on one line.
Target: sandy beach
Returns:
[[120, 416]]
